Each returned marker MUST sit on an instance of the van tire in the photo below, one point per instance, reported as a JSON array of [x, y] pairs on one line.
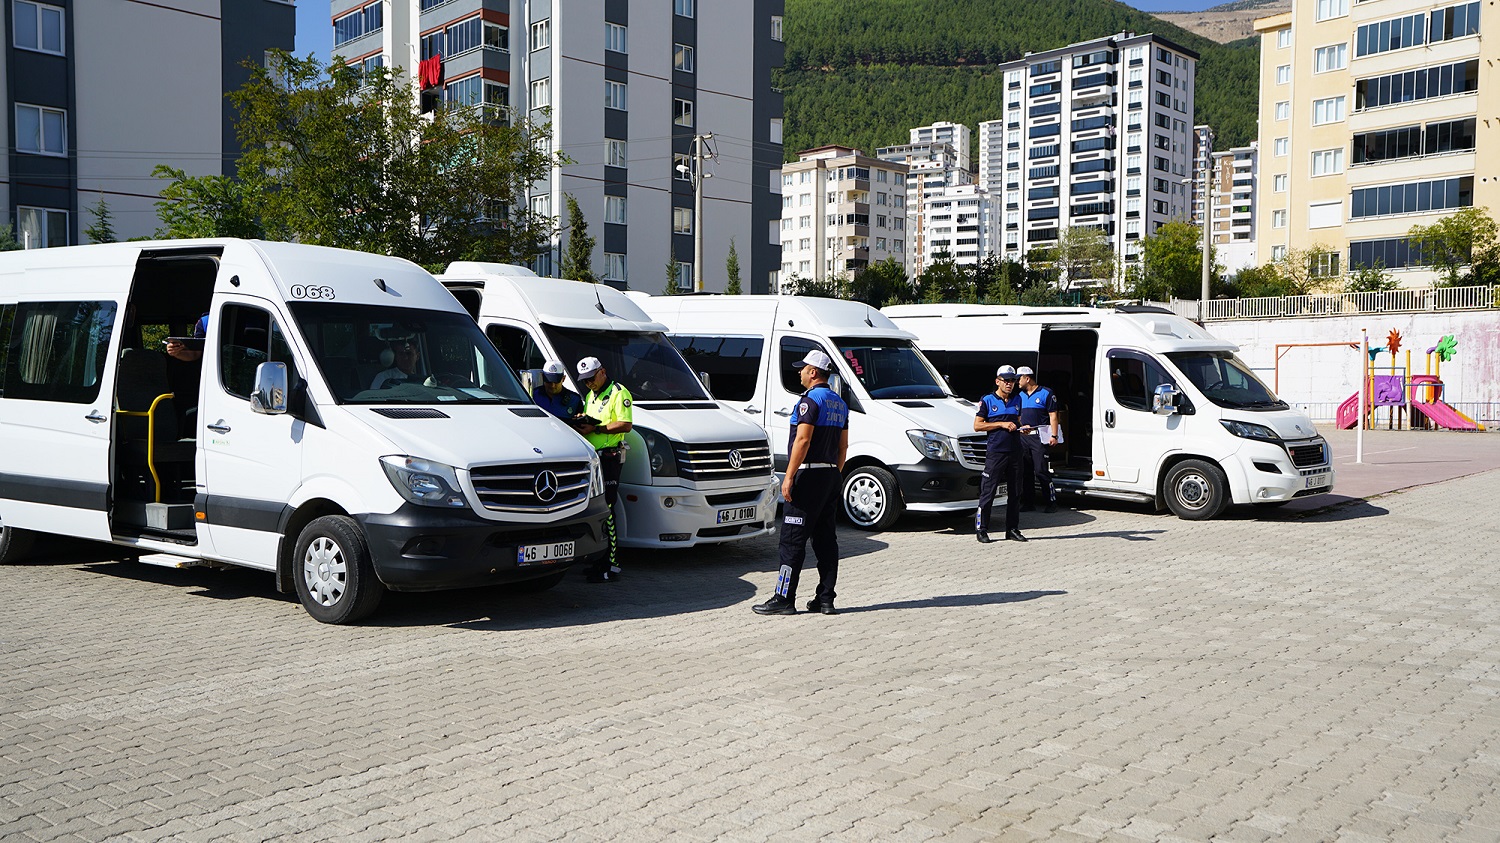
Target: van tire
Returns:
[[335, 578], [1196, 490], [871, 498], [15, 545]]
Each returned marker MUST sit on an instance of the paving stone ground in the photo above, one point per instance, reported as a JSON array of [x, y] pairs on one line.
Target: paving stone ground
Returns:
[[1124, 676]]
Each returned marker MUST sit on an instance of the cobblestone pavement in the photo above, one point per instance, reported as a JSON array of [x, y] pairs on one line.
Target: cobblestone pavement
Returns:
[[1124, 676]]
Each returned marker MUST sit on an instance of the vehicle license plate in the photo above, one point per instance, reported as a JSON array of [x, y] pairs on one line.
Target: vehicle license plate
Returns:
[[540, 554], [1317, 481], [734, 516]]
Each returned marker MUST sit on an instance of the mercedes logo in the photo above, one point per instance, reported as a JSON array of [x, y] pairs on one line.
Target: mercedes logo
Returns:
[[545, 486], [736, 462], [1299, 427]]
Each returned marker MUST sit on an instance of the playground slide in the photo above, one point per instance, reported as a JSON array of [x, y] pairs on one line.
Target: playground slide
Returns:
[[1442, 415], [1349, 412]]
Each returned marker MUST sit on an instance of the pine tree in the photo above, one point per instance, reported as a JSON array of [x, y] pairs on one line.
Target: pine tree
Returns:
[[103, 229], [578, 260], [8, 241], [732, 271], [674, 271]]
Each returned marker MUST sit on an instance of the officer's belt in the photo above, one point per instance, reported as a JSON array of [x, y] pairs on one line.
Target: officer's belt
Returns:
[[818, 465]]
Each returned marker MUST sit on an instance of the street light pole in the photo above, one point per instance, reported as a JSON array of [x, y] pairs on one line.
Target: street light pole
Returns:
[[1208, 222], [698, 178]]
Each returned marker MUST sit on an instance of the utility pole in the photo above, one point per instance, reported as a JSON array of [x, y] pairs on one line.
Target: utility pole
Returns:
[[1208, 216], [695, 172]]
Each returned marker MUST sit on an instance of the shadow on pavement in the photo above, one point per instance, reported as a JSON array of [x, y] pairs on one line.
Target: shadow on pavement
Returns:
[[1127, 535], [994, 598], [1345, 510]]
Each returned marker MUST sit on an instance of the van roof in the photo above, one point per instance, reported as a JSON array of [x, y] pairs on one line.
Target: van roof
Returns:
[[973, 326], [512, 290], [834, 317]]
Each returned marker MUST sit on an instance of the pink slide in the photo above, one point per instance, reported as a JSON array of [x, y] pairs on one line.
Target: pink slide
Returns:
[[1442, 415], [1349, 412]]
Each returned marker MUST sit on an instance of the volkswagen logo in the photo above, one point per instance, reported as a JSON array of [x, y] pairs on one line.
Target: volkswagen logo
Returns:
[[545, 486], [736, 461], [1299, 427]]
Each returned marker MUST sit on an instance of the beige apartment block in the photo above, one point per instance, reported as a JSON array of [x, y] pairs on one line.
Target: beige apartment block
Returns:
[[1372, 113], [841, 211]]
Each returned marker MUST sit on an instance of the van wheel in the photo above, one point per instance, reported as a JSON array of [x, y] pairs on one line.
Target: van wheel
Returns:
[[1196, 490], [871, 499], [15, 545], [335, 579]]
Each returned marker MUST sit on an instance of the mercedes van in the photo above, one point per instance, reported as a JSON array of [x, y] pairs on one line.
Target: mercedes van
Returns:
[[330, 416], [912, 445], [695, 472], [1154, 408]]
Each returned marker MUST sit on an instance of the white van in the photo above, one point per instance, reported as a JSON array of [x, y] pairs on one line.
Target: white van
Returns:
[[695, 472], [295, 442], [1155, 409], [912, 445]]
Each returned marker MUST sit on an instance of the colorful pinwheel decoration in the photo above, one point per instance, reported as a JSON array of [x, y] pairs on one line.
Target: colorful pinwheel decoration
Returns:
[[1445, 348], [1393, 341]]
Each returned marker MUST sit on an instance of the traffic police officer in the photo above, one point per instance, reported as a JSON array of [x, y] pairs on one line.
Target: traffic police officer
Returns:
[[818, 443], [555, 398], [1038, 408], [1000, 416], [608, 404]]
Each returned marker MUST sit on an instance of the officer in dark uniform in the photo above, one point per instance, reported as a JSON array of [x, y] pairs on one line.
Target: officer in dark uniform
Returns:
[[1000, 416], [819, 441], [1038, 409]]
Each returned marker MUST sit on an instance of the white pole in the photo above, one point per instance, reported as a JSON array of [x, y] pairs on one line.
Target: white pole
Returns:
[[1364, 384]]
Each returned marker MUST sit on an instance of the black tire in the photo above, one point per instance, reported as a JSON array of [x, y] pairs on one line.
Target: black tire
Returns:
[[1196, 490], [335, 578], [871, 499], [537, 585], [15, 545]]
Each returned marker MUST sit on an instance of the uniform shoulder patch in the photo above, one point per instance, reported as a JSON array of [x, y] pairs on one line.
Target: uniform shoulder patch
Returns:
[[627, 402]]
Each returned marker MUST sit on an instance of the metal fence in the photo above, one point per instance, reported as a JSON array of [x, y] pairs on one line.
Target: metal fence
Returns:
[[1343, 304]]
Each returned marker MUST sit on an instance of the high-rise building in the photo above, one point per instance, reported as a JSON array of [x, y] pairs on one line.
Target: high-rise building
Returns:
[[954, 134], [625, 88], [89, 126], [1097, 134], [1370, 117], [841, 211], [932, 168], [1232, 174], [958, 221]]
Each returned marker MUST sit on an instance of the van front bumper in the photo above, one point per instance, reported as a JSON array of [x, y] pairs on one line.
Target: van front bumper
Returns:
[[1265, 473], [937, 486], [646, 519], [419, 548]]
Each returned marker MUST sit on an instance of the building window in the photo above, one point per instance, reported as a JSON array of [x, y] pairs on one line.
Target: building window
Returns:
[[1395, 253], [614, 209], [682, 112], [1330, 110], [682, 220], [1282, 146], [682, 170], [358, 23], [1278, 253], [1454, 22], [541, 93], [1332, 57], [1278, 183], [683, 7], [1413, 85], [1332, 9], [682, 58], [1283, 38], [1283, 74], [1412, 197], [1284, 110], [39, 27], [542, 206], [614, 95], [463, 36], [1327, 162], [614, 38], [684, 276], [39, 228], [541, 34], [614, 266], [1278, 219], [41, 131], [1323, 265], [776, 28], [618, 153], [777, 128]]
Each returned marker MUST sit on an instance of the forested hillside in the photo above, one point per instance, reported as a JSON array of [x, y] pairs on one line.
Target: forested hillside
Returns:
[[863, 72]]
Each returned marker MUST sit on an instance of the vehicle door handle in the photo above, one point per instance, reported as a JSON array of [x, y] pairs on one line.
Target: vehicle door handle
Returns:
[[752, 409], [219, 427], [1109, 418], [784, 411], [97, 417]]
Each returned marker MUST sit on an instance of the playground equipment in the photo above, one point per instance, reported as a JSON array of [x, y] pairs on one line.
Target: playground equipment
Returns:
[[1401, 392]]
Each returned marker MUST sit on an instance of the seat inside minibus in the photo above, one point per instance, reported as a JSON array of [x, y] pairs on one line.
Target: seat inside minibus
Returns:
[[1066, 364]]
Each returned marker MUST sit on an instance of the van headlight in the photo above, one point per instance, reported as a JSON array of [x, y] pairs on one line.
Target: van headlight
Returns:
[[933, 445], [596, 476], [659, 453], [424, 482], [1247, 430]]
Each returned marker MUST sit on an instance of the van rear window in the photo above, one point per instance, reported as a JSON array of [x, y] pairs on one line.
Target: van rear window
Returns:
[[56, 351]]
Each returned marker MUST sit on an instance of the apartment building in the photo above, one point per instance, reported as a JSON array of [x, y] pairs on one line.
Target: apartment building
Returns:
[[933, 168], [1232, 176], [625, 88], [958, 222], [841, 211], [956, 135], [87, 127], [1372, 112], [1097, 134]]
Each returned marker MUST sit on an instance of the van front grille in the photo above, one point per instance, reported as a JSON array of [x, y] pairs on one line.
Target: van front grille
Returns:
[[971, 451], [1308, 454], [532, 488], [723, 460]]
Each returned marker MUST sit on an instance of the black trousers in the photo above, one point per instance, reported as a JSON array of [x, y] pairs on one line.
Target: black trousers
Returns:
[[1034, 470], [810, 514], [611, 466], [998, 466]]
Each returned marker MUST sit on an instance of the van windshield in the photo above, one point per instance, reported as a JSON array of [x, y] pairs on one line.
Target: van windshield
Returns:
[[1225, 380], [891, 368], [646, 363], [372, 354]]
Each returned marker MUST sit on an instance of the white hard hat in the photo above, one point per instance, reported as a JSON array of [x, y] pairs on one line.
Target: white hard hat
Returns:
[[818, 360], [588, 366]]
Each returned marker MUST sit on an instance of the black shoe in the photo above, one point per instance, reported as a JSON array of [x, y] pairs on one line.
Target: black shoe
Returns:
[[1028, 507], [1015, 536], [819, 606], [775, 606], [1051, 508], [984, 538], [606, 575]]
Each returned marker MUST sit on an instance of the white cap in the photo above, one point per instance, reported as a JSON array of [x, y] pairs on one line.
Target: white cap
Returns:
[[1025, 370], [553, 372], [817, 360], [588, 366], [1007, 372]]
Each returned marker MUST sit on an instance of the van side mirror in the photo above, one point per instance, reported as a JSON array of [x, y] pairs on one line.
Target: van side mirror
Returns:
[[269, 397], [706, 381], [1164, 400]]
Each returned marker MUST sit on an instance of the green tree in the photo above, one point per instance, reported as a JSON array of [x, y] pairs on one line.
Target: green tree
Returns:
[[1172, 263], [1256, 282], [999, 280], [732, 271], [8, 241], [879, 284], [799, 286], [1299, 270], [578, 258], [206, 206], [1464, 240], [944, 280], [1369, 279], [103, 229], [674, 271], [1083, 254]]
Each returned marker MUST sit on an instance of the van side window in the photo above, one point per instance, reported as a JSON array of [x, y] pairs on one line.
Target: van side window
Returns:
[[793, 349], [732, 363], [517, 347], [56, 351], [248, 337], [7, 318], [1134, 377]]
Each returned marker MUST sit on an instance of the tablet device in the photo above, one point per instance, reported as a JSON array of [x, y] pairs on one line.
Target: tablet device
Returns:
[[194, 343]]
